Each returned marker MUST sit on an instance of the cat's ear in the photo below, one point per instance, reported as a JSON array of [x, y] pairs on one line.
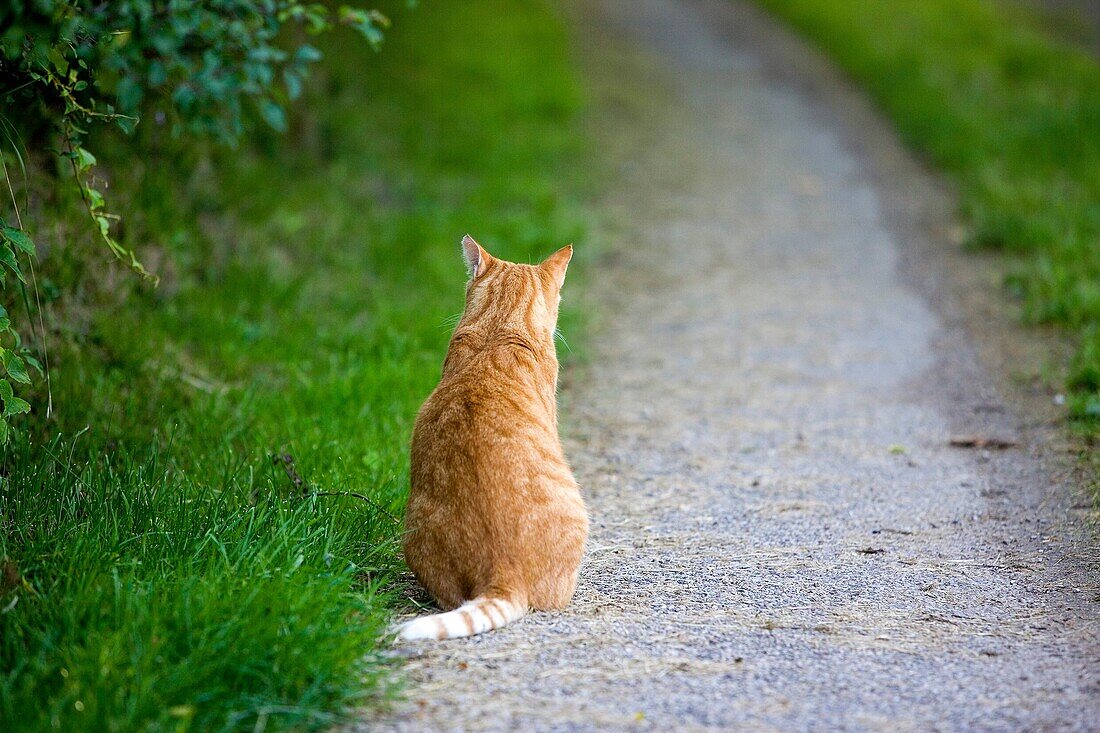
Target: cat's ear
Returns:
[[557, 263], [477, 259]]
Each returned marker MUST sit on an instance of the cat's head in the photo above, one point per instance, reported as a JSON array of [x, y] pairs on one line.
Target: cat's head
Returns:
[[502, 294]]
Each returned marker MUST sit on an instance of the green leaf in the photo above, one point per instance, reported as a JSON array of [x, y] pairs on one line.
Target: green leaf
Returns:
[[16, 406], [95, 198], [126, 124], [6, 392], [307, 54], [17, 370], [33, 362], [7, 257], [315, 17], [84, 159], [366, 23], [19, 238], [273, 113], [293, 83], [4, 431], [58, 60]]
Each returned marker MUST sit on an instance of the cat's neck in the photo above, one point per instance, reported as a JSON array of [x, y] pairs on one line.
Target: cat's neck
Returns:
[[527, 359]]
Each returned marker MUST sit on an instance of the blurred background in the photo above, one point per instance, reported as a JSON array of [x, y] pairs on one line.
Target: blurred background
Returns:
[[231, 265]]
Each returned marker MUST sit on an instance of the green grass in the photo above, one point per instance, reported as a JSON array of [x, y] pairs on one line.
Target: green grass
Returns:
[[159, 571], [990, 94]]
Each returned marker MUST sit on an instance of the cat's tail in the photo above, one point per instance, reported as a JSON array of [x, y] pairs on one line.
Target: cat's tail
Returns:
[[472, 617]]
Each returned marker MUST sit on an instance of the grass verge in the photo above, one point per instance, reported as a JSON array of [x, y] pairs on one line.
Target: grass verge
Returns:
[[988, 91], [178, 550]]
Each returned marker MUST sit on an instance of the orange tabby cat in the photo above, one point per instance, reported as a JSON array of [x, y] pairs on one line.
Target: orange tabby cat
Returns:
[[495, 524]]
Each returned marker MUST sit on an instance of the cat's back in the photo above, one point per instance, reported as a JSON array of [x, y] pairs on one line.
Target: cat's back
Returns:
[[484, 404]]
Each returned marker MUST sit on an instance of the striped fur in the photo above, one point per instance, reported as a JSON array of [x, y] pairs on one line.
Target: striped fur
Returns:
[[473, 617], [494, 512]]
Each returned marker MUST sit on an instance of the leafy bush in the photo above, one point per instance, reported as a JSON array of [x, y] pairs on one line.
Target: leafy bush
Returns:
[[69, 65]]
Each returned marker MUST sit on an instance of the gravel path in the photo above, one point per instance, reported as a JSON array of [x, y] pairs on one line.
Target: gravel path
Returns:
[[783, 538]]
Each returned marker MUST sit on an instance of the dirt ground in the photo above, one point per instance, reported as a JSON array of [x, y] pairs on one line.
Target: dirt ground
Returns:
[[784, 537]]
